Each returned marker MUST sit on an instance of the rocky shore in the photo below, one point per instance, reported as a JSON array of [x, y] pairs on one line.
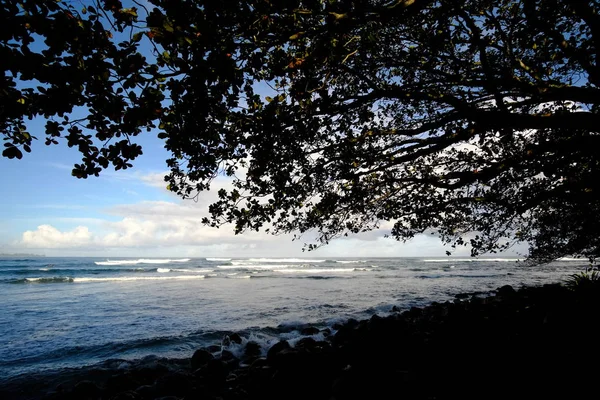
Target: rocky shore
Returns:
[[533, 343]]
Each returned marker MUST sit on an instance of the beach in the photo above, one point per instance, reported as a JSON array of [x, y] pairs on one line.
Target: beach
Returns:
[[426, 345]]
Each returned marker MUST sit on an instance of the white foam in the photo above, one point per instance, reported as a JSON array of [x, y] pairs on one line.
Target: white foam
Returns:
[[261, 267], [314, 270], [44, 269], [473, 260], [142, 261], [282, 260], [217, 259], [165, 261], [139, 278], [117, 262], [190, 270], [53, 279], [239, 277], [350, 261], [163, 270]]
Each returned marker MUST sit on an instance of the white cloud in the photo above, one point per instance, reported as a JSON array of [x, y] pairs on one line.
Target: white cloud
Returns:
[[155, 179], [170, 228], [47, 236]]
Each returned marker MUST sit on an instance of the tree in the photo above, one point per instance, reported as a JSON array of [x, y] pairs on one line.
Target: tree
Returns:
[[475, 120]]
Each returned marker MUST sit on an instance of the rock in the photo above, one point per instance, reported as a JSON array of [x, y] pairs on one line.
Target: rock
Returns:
[[147, 391], [343, 335], [227, 355], [415, 312], [146, 375], [506, 290], [252, 350], [351, 323], [276, 348], [216, 370], [226, 342], [323, 345], [395, 309], [376, 322], [86, 390], [121, 383], [259, 363], [306, 343], [213, 348], [129, 395], [200, 358], [235, 338], [176, 383], [292, 359], [311, 330]]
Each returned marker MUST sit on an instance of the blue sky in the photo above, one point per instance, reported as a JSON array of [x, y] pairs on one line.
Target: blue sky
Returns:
[[43, 209]]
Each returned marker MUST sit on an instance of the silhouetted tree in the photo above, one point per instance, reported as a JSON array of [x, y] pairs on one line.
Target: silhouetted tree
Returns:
[[476, 120]]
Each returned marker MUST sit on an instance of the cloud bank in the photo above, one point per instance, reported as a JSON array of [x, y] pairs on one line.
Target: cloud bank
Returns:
[[174, 227]]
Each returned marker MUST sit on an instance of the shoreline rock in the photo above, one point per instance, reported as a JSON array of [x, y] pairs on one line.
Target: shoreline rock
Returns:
[[534, 342]]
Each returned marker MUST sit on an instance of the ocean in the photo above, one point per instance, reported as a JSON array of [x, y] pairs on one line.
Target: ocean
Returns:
[[72, 312]]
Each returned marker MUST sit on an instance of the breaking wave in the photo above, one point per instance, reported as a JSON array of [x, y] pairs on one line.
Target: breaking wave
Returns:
[[283, 260], [54, 279], [138, 278], [142, 261], [472, 260]]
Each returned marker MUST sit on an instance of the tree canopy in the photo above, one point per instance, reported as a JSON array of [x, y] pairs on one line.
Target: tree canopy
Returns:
[[475, 120]]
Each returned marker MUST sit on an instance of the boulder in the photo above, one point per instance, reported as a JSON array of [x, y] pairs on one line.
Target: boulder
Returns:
[[306, 343], [351, 323], [252, 350], [506, 290], [128, 395], [86, 390], [213, 348], [235, 338], [214, 372], [174, 384], [147, 391], [311, 330], [121, 383], [147, 374], [200, 358], [226, 342], [276, 348], [228, 356], [259, 363]]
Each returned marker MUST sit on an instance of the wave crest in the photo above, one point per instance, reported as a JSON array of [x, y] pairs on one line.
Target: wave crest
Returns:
[[142, 261]]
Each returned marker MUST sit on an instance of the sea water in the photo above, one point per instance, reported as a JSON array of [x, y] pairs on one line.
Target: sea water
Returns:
[[70, 312]]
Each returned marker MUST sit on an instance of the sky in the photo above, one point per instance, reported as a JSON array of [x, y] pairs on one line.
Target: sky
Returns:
[[44, 210]]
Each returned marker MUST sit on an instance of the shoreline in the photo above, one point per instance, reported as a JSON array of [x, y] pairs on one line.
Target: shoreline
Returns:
[[532, 341]]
